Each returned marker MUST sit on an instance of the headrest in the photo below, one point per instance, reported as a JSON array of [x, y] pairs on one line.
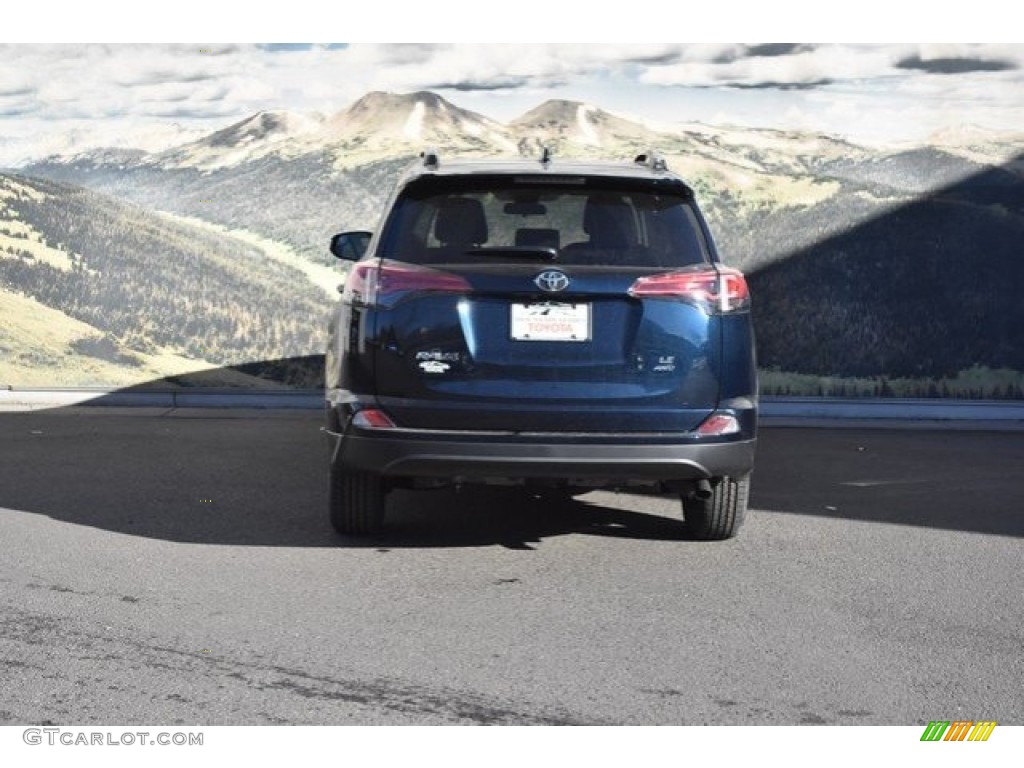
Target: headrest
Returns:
[[609, 222], [461, 221], [542, 238]]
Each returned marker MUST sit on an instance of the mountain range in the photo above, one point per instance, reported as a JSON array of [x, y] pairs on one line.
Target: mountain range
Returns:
[[774, 199], [299, 178]]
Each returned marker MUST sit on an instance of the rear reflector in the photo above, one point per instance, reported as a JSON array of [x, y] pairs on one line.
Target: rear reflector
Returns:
[[371, 418], [373, 283], [719, 423], [716, 290]]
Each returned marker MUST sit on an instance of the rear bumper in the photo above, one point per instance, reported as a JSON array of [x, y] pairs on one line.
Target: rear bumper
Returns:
[[472, 457]]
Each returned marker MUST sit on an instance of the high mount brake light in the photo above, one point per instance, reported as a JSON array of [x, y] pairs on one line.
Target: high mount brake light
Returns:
[[382, 284], [718, 291]]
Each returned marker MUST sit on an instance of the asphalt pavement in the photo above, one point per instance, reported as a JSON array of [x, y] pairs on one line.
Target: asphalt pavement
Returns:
[[177, 567]]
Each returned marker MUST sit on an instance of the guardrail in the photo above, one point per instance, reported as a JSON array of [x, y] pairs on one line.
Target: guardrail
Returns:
[[774, 410]]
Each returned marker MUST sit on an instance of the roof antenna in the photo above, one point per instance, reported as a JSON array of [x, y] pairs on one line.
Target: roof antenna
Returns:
[[545, 155], [430, 159], [652, 160]]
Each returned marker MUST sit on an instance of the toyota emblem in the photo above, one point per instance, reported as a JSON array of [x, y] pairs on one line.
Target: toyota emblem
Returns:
[[552, 281]]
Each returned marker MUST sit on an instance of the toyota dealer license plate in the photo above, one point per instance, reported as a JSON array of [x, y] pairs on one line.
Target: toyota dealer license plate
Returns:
[[550, 321]]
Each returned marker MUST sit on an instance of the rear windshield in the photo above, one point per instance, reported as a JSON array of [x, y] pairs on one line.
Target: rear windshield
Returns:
[[567, 221]]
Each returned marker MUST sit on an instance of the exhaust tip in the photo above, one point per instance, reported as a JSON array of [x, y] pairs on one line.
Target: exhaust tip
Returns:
[[703, 490]]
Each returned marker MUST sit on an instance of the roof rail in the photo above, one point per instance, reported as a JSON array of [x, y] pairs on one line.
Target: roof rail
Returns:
[[430, 159], [652, 160]]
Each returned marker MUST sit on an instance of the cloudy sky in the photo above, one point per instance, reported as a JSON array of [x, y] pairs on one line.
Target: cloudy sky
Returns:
[[56, 97]]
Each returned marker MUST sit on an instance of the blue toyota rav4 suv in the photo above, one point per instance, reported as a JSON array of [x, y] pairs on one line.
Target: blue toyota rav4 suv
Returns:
[[562, 326]]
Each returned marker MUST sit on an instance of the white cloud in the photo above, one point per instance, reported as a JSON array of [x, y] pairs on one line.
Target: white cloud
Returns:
[[56, 87]]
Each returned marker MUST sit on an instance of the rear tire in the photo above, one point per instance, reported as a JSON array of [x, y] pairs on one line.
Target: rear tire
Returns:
[[356, 501], [721, 515]]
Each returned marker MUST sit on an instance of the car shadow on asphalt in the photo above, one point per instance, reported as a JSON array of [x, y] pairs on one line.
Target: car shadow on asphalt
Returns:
[[515, 519], [260, 479]]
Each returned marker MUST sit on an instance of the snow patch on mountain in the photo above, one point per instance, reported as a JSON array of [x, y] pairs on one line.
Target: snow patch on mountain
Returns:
[[588, 134], [413, 128]]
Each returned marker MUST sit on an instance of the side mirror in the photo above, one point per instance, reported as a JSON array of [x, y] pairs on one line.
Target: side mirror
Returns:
[[350, 245]]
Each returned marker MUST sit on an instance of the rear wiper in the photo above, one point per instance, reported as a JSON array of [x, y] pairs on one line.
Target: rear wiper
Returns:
[[516, 251]]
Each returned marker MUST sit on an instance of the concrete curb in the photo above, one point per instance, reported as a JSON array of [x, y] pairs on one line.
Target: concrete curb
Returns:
[[774, 410], [35, 399], [895, 409]]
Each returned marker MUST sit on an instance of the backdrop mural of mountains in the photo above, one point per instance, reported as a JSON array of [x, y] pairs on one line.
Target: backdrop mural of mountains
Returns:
[[877, 272]]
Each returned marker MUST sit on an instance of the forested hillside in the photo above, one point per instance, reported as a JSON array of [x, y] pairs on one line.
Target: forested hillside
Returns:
[[929, 289], [300, 201], [151, 285]]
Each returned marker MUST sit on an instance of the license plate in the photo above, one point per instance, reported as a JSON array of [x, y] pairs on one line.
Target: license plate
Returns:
[[550, 321]]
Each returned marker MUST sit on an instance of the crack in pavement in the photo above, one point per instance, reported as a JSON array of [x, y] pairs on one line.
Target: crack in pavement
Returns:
[[128, 654]]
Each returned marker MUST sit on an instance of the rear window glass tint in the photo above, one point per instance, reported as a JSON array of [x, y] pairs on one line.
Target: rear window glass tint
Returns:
[[447, 220]]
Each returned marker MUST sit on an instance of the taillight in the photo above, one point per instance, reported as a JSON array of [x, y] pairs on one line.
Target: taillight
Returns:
[[717, 291], [373, 283], [361, 283]]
